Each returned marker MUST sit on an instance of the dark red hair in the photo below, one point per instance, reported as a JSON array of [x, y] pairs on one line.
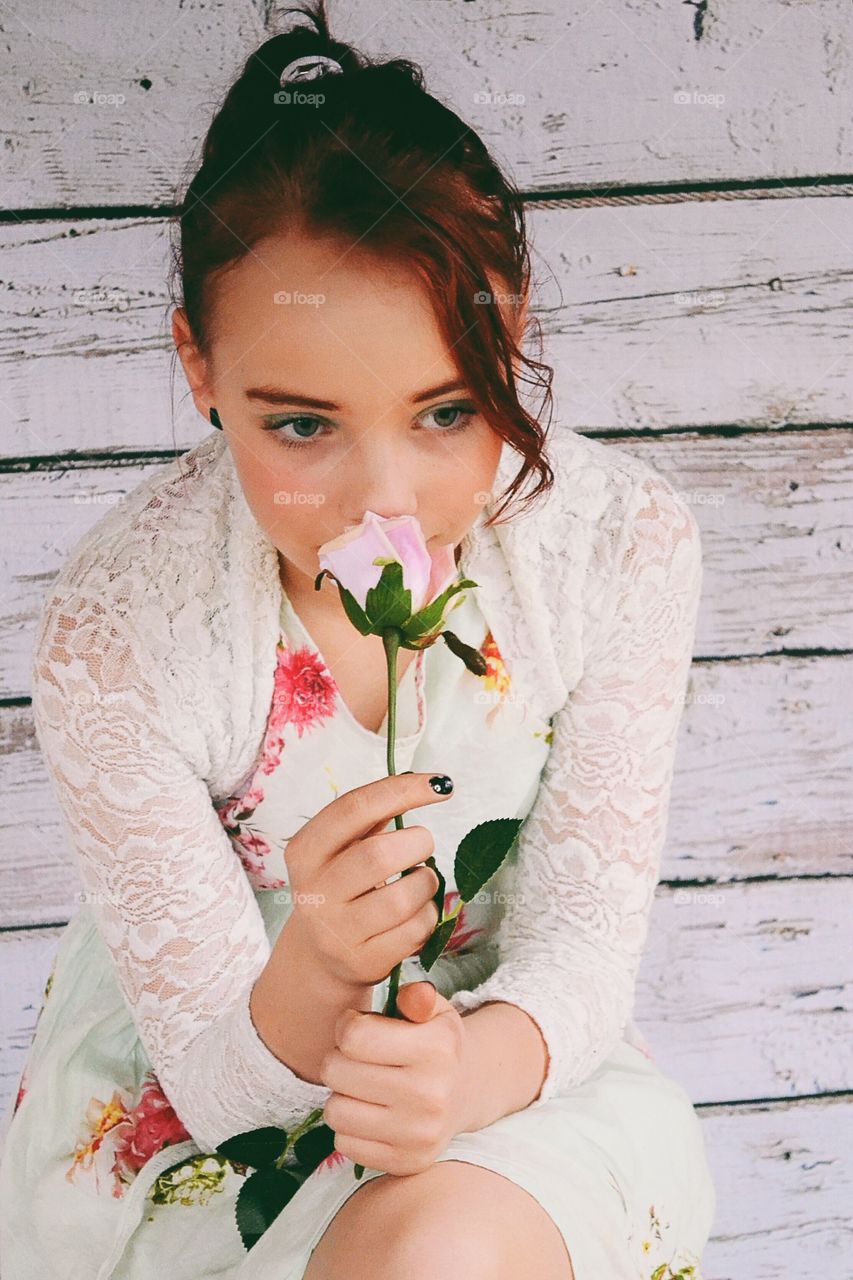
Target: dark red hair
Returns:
[[373, 159]]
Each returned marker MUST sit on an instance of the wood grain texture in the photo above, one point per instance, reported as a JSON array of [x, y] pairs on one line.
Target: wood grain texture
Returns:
[[584, 96], [702, 327], [653, 317]]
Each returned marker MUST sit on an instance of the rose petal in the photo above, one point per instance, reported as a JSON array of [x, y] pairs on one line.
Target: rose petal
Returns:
[[349, 557]]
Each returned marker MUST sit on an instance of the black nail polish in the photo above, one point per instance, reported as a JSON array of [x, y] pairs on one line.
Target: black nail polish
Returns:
[[442, 784]]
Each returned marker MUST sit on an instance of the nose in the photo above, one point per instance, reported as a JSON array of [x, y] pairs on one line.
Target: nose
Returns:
[[383, 481]]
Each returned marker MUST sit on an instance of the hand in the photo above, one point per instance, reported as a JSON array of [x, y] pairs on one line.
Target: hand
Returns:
[[355, 927], [397, 1082]]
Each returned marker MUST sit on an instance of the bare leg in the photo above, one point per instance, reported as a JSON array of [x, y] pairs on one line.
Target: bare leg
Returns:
[[453, 1215]]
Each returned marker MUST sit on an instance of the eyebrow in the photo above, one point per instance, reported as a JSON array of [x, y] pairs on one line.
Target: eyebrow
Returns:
[[277, 395]]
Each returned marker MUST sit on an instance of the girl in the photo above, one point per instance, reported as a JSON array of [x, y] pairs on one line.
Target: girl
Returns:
[[353, 279]]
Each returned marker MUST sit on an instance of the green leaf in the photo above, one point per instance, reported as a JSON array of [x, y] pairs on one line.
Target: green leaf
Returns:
[[314, 1146], [354, 612], [430, 618], [260, 1200], [473, 659], [481, 852], [436, 942], [439, 895], [258, 1148], [389, 603], [353, 609]]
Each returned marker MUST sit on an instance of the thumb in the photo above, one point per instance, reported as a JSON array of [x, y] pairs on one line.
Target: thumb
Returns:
[[420, 1001]]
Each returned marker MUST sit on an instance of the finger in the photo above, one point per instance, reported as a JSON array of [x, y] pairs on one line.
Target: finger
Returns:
[[368, 1121], [418, 1001], [371, 862], [380, 1040], [393, 935], [364, 1080], [369, 808], [373, 1155]]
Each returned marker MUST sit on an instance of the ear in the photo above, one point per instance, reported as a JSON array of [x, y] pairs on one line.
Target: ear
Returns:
[[193, 362]]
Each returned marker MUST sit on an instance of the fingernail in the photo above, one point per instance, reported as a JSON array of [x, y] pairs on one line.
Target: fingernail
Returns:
[[407, 771], [442, 784]]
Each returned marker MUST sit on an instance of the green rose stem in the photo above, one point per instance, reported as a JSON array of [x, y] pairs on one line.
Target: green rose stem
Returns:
[[391, 641]]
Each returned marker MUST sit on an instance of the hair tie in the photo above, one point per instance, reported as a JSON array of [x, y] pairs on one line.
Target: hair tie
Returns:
[[309, 67]]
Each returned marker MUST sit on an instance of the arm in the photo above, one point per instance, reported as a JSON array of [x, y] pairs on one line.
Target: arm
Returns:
[[504, 1060], [295, 1007], [170, 897], [589, 850]]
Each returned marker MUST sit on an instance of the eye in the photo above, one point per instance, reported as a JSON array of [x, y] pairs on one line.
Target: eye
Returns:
[[305, 425], [466, 411], [294, 420]]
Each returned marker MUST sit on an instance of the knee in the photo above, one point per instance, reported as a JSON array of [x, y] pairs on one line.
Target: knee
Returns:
[[396, 1226]]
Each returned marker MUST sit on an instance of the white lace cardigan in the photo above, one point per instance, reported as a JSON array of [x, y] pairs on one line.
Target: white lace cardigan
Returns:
[[152, 679]]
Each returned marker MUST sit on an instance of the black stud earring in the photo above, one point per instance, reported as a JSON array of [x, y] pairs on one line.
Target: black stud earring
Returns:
[[214, 418]]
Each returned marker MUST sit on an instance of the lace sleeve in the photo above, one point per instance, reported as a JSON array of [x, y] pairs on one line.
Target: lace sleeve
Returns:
[[589, 850], [170, 897]]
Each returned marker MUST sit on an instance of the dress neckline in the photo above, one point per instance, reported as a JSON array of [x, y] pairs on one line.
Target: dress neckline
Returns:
[[415, 671]]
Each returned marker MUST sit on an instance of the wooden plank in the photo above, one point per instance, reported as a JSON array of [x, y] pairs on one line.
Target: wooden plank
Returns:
[[784, 1179], [761, 786], [762, 778], [100, 112], [744, 989], [654, 316], [775, 518], [769, 517]]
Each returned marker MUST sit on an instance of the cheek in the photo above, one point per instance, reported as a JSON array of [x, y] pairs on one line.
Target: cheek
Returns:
[[290, 508]]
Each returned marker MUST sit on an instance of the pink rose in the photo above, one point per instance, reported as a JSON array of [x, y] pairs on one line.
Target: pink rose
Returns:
[[350, 558]]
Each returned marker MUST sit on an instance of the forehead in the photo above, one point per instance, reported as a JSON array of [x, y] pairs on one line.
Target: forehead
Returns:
[[325, 318]]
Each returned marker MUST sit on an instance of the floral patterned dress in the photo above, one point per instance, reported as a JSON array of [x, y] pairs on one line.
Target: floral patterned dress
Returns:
[[116, 1185]]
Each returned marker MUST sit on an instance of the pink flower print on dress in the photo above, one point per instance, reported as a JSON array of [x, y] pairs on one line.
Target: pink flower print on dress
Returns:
[[303, 693], [153, 1126], [251, 845], [120, 1139]]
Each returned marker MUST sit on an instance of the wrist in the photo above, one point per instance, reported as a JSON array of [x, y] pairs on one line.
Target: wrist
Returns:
[[325, 986], [496, 1080], [295, 1004]]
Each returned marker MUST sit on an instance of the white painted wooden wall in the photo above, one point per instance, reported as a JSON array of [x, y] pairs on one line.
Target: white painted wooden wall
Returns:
[[688, 170]]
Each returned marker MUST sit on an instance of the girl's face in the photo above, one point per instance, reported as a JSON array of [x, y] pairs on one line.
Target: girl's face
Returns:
[[337, 396]]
